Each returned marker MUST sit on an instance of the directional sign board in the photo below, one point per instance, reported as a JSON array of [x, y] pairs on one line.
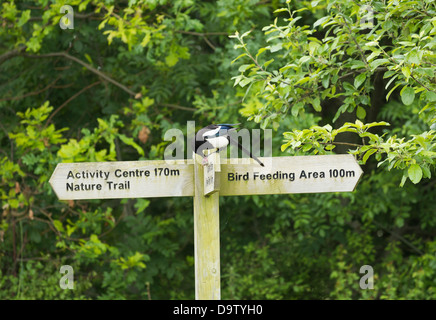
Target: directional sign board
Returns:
[[123, 179], [148, 179], [299, 174]]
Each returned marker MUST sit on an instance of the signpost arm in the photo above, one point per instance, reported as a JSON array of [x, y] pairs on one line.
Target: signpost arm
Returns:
[[206, 238]]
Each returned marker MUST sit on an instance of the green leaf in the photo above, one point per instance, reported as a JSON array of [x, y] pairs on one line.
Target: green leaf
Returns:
[[296, 108], [25, 16], [376, 63], [321, 21], [88, 57], [406, 71], [413, 57], [280, 10], [238, 57], [328, 147], [146, 39], [132, 143], [325, 82], [371, 44], [426, 172], [245, 67], [70, 230], [359, 80], [407, 95], [58, 225], [172, 59], [285, 146], [361, 113], [430, 96], [415, 173], [373, 55], [245, 34], [276, 47], [403, 180], [348, 86], [399, 222], [316, 103], [304, 59], [259, 52], [266, 64], [245, 81], [313, 46], [368, 154], [392, 90]]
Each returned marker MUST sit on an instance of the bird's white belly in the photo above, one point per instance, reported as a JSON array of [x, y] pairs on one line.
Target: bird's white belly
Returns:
[[218, 142]]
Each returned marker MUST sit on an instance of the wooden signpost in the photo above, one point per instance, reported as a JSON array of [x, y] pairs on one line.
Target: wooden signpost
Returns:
[[205, 182]]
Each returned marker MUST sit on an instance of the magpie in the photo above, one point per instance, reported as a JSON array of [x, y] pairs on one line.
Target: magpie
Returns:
[[216, 137]]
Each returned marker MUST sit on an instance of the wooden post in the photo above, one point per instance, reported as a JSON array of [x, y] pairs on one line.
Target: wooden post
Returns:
[[206, 238]]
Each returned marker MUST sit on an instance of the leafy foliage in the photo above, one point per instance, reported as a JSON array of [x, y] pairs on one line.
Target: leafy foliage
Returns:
[[328, 76], [339, 58]]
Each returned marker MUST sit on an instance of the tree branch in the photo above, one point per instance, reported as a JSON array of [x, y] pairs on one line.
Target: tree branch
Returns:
[[33, 93], [399, 237], [423, 85], [342, 143], [11, 54], [175, 106], [362, 54], [203, 34], [209, 43], [69, 100], [87, 66], [76, 15]]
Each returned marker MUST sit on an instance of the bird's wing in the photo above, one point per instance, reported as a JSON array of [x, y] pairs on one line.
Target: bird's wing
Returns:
[[200, 133], [211, 132]]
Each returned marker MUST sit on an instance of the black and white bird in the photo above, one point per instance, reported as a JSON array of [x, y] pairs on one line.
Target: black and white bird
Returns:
[[215, 137]]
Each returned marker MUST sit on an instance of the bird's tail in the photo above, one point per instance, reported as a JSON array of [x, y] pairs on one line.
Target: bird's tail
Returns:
[[248, 152]]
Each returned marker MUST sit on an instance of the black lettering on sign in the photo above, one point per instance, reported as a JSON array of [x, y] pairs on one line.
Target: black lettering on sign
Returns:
[[312, 174], [237, 176], [166, 172], [335, 173], [83, 186], [88, 174], [131, 173], [209, 181], [118, 185], [278, 175], [209, 168]]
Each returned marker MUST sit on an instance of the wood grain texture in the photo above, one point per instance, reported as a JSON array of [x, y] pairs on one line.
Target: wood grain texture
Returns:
[[206, 239], [178, 182], [281, 175], [313, 183]]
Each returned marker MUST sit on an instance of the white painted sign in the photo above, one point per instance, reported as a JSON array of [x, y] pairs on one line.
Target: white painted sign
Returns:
[[298, 174], [211, 173], [123, 179], [148, 179]]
